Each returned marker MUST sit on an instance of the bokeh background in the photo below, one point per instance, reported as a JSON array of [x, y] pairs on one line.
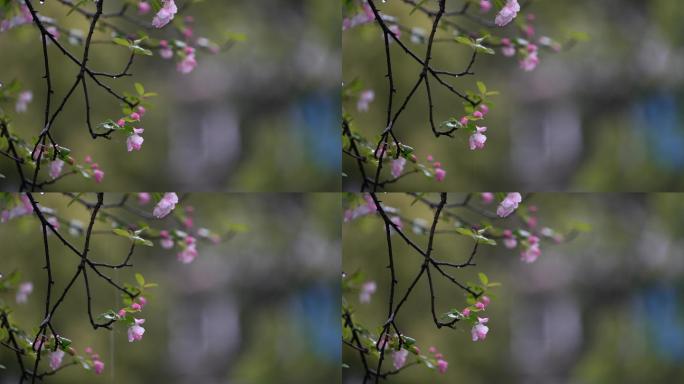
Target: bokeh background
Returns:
[[261, 307], [262, 116], [605, 307], [603, 116]]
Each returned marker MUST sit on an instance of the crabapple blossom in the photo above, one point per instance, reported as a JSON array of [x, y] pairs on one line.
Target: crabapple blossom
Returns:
[[398, 166], [529, 62], [362, 210], [135, 331], [144, 198], [509, 240], [442, 366], [399, 358], [466, 312], [142, 300], [144, 7], [478, 114], [56, 168], [166, 240], [165, 205], [165, 51], [165, 14], [367, 290], [25, 97], [99, 366], [187, 255], [188, 64], [396, 220], [365, 98], [485, 6], [531, 253], [484, 108], [361, 18], [507, 13], [479, 330], [135, 141], [56, 359], [507, 49], [440, 174], [23, 292], [477, 140], [487, 197], [509, 204]]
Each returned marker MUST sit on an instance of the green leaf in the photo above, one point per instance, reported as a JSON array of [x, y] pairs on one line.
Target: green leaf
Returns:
[[140, 89], [140, 279], [121, 42], [483, 278], [482, 87]]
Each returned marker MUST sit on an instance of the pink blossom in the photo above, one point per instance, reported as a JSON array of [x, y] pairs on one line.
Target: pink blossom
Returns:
[[430, 158], [442, 366], [479, 331], [367, 290], [187, 65], [485, 300], [144, 7], [529, 62], [396, 220], [141, 110], [362, 210], [477, 140], [509, 240], [23, 292], [122, 313], [121, 122], [484, 108], [395, 30], [508, 48], [480, 306], [56, 359], [136, 307], [531, 253], [187, 255], [165, 14], [144, 198], [509, 204], [398, 166], [466, 312], [88, 350], [99, 175], [365, 99], [478, 114], [166, 242], [23, 209], [464, 121], [361, 18], [135, 141], [507, 13], [25, 97], [135, 331], [399, 358], [56, 168], [165, 205], [485, 6], [53, 31], [440, 174], [135, 116], [142, 300], [99, 366], [487, 197]]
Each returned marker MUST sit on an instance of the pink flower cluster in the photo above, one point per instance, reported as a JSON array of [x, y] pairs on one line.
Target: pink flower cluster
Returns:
[[23, 292], [25, 97], [22, 209], [367, 290], [24, 17], [440, 173], [98, 364], [165, 205], [507, 13], [165, 14], [362, 210], [98, 174], [397, 167], [365, 98], [364, 17], [134, 140], [189, 250], [442, 364], [509, 204], [480, 330]]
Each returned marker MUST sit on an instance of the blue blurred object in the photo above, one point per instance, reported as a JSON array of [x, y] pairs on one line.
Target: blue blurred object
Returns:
[[658, 120], [316, 120], [658, 309], [316, 310]]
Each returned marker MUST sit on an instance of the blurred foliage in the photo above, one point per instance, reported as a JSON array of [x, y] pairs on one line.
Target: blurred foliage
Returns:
[[602, 116], [605, 307], [259, 116], [258, 308]]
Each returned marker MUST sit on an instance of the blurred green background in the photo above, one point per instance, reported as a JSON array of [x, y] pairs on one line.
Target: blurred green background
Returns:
[[260, 308], [605, 307], [604, 116], [262, 116]]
